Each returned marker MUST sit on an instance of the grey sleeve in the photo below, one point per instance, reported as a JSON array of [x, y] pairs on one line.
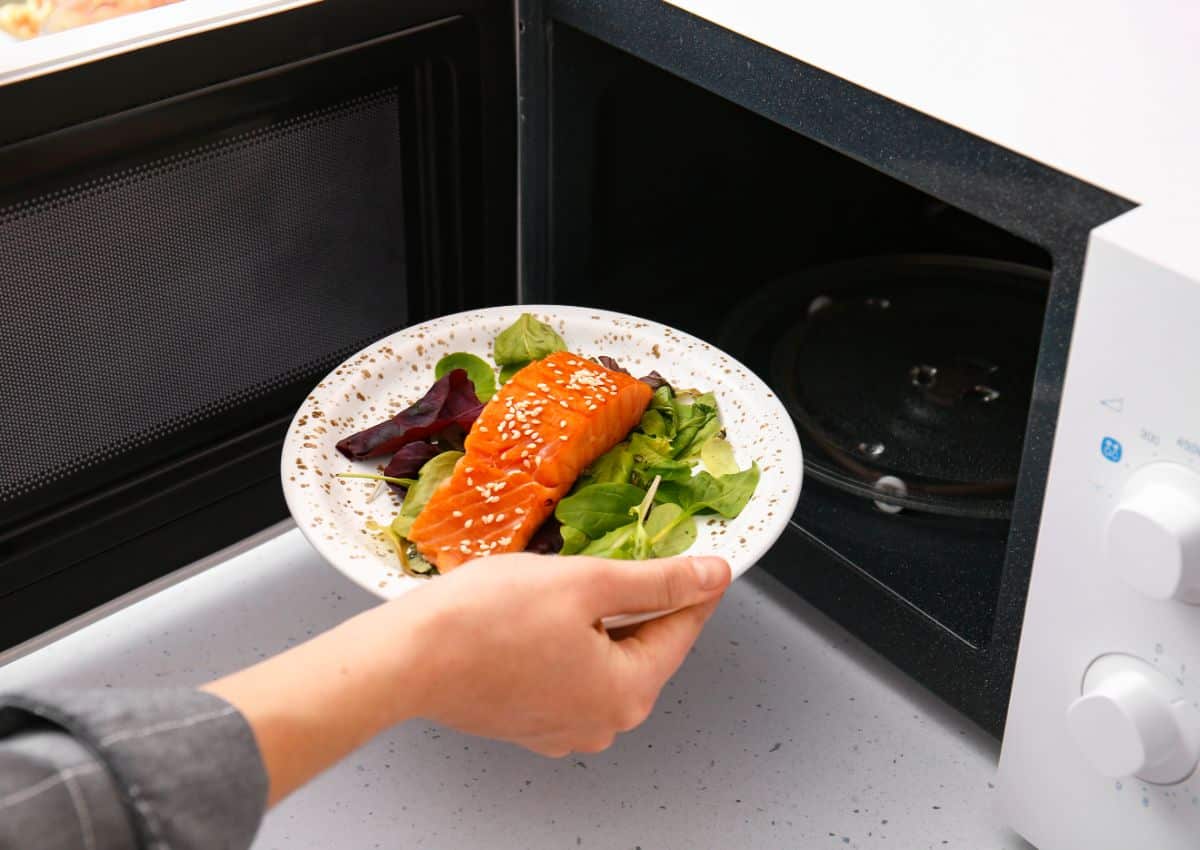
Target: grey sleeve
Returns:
[[162, 769]]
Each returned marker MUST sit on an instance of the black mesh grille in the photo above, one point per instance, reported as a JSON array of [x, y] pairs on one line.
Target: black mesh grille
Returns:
[[156, 300]]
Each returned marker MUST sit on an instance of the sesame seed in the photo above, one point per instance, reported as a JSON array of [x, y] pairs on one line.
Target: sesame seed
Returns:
[[483, 429], [468, 523], [470, 469], [531, 445], [470, 481], [563, 437], [499, 517], [564, 404], [519, 510], [562, 424], [456, 513]]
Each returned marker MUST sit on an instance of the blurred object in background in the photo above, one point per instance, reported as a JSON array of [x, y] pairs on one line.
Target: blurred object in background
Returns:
[[29, 18]]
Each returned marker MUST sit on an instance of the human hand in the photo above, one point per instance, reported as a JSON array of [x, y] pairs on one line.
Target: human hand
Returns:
[[509, 647], [513, 649]]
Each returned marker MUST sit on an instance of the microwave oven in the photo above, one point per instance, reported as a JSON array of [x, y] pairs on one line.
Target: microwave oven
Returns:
[[986, 356]]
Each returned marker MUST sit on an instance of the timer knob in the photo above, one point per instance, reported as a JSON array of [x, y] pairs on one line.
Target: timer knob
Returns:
[[1133, 721], [1154, 533]]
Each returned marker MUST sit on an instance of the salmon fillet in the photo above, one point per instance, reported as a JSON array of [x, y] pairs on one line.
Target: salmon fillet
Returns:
[[529, 444]]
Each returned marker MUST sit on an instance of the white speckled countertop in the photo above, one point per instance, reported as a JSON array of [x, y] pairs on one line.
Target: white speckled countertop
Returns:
[[780, 731]]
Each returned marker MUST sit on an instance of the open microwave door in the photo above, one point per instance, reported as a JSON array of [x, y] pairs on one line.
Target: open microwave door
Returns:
[[194, 228]]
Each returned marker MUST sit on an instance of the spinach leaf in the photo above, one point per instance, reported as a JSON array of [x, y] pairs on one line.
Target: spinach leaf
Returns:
[[525, 341], [726, 495], [662, 403], [417, 564], [655, 424], [614, 466], [574, 541], [628, 541], [641, 540], [717, 457], [618, 544], [652, 456], [670, 530], [506, 372], [433, 473], [599, 508], [697, 422], [477, 370]]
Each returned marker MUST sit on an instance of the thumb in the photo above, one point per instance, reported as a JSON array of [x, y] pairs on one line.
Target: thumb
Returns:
[[663, 584]]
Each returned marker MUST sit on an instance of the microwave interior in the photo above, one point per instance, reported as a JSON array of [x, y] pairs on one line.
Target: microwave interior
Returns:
[[904, 287], [184, 254], [901, 332]]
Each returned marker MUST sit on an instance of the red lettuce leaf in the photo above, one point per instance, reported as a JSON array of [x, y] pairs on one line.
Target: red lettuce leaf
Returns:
[[608, 363], [450, 401], [654, 380], [408, 460]]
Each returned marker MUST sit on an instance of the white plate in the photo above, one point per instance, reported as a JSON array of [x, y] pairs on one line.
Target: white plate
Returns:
[[391, 374]]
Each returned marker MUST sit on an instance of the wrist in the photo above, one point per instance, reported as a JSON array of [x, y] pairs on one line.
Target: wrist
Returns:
[[396, 652]]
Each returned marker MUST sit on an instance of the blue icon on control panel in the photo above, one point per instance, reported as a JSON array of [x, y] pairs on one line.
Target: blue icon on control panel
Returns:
[[1111, 449]]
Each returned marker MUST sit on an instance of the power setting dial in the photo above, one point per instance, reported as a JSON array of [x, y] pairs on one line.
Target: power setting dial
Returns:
[[1154, 533], [1131, 720]]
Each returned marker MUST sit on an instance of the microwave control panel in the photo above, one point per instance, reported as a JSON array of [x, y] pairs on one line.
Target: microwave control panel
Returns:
[[1102, 741]]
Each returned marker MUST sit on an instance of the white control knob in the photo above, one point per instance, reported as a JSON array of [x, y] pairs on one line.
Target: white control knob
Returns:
[[1154, 534], [1133, 721]]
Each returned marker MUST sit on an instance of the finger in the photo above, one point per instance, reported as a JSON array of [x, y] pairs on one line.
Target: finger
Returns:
[[657, 648], [664, 584]]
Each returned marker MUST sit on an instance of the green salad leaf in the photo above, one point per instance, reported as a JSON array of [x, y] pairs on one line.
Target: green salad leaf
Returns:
[[617, 544], [725, 495], [477, 369], [629, 541], [574, 540], [614, 466], [670, 530], [597, 509], [717, 457], [652, 457], [655, 424], [524, 341], [506, 372], [697, 421], [436, 470]]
